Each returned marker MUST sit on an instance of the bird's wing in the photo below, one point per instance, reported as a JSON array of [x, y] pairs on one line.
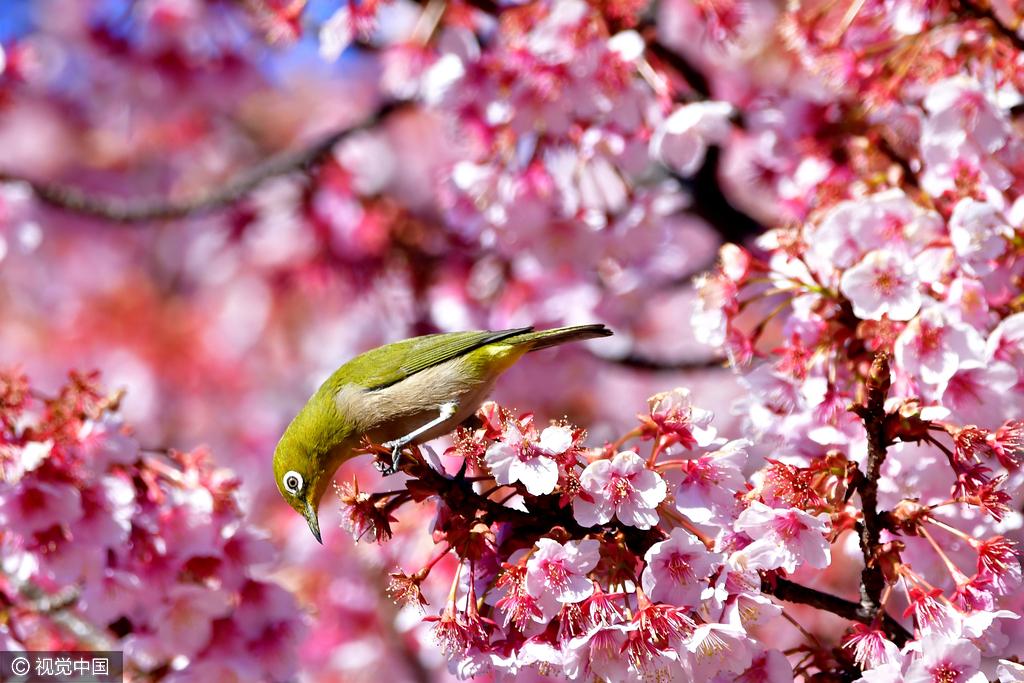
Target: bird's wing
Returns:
[[387, 365]]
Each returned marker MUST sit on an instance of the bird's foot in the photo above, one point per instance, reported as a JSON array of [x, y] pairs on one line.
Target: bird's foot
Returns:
[[445, 410], [386, 468]]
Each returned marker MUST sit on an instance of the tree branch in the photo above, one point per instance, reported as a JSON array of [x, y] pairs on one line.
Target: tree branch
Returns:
[[639, 362], [872, 412], [711, 204], [58, 609], [787, 590], [117, 210], [690, 73], [984, 12]]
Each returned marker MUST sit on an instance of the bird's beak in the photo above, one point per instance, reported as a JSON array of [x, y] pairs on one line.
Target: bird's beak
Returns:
[[314, 524]]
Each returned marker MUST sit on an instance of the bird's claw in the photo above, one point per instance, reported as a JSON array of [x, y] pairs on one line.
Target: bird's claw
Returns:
[[385, 468]]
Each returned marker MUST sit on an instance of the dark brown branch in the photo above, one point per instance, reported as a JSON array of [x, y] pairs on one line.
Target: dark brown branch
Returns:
[[119, 210], [693, 76], [872, 412], [904, 164], [640, 362], [787, 590], [711, 204], [983, 11]]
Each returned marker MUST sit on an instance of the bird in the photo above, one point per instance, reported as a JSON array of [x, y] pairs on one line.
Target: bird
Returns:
[[410, 391]]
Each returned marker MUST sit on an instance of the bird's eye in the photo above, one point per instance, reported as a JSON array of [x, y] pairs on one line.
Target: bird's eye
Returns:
[[292, 482]]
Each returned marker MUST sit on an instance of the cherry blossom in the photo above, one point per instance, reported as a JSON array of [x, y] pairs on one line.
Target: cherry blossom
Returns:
[[871, 648], [623, 487], [673, 414], [978, 233], [882, 283], [677, 568], [785, 537], [562, 569], [719, 647], [704, 488], [519, 458], [940, 659], [931, 347], [682, 139], [149, 546], [218, 203]]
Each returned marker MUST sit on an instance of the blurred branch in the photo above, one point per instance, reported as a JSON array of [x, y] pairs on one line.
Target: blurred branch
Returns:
[[693, 76], [387, 618], [58, 609], [983, 10], [640, 362], [711, 204], [117, 210]]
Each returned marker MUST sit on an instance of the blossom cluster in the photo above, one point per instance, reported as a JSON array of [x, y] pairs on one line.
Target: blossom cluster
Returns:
[[629, 562], [919, 265], [556, 108], [592, 561], [109, 546]]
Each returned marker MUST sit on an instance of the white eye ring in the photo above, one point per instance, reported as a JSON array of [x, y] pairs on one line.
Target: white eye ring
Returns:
[[292, 481]]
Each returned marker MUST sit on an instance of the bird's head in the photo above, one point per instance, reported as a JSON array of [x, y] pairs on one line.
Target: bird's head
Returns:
[[300, 479], [316, 442]]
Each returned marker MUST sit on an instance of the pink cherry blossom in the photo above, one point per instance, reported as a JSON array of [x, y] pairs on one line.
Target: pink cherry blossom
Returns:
[[673, 413], [184, 621], [931, 347], [978, 232], [704, 488], [784, 537], [15, 461], [517, 458], [677, 569], [599, 653], [218, 203], [682, 139], [623, 487], [882, 283], [719, 647], [38, 506], [973, 393], [1010, 671], [771, 666], [957, 661], [562, 569], [871, 648]]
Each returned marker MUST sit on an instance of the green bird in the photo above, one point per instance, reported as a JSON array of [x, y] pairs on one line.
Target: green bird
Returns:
[[402, 393]]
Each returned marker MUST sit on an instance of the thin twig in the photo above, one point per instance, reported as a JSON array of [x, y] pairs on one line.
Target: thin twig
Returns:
[[118, 210]]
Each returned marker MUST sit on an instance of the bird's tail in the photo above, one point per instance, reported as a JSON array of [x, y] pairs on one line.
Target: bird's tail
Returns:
[[542, 339]]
